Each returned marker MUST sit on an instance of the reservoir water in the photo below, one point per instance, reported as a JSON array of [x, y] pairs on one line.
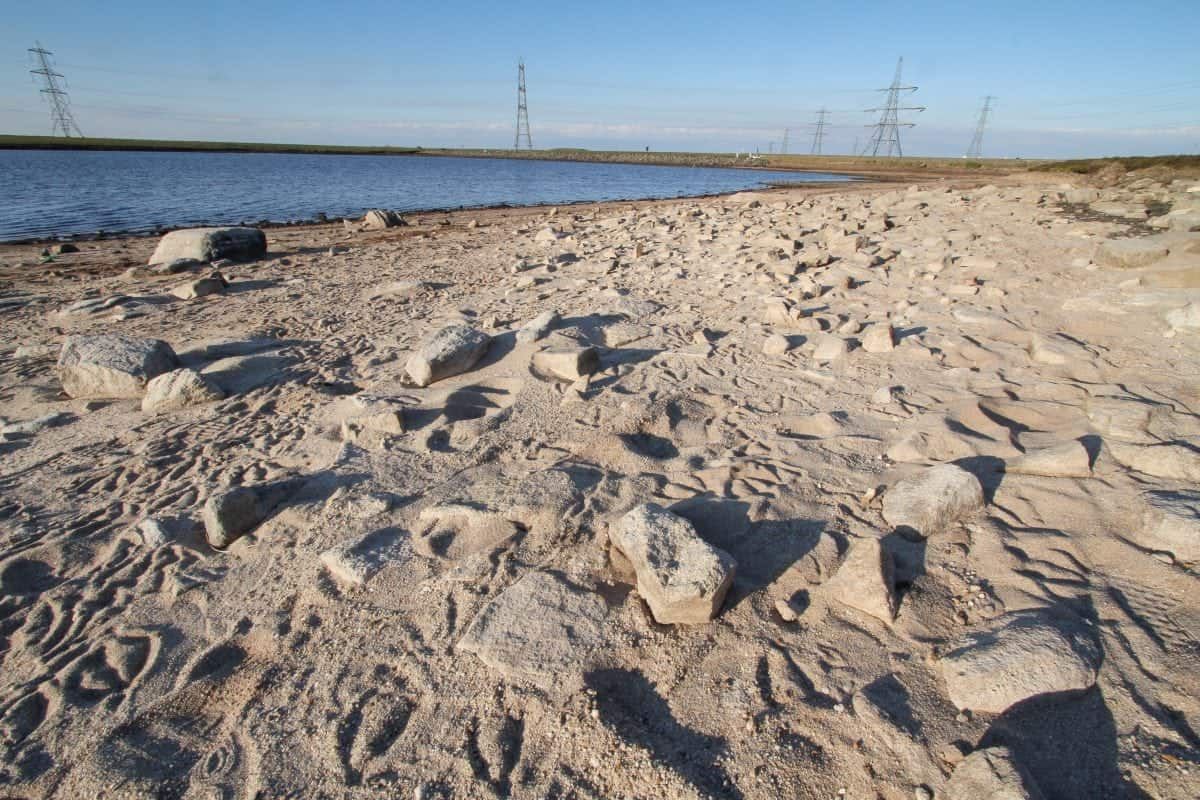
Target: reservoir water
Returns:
[[47, 193]]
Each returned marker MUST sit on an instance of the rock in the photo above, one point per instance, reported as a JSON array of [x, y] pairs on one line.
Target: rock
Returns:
[[567, 363], [866, 580], [1171, 522], [1081, 196], [111, 365], [400, 290], [681, 577], [776, 345], [452, 350], [378, 219], [177, 265], [36, 351], [931, 501], [233, 513], [201, 287], [879, 339], [1186, 318], [547, 235], [1018, 656], [538, 327], [1165, 460], [831, 348], [359, 558], [63, 249], [209, 244], [179, 388], [991, 774], [1130, 253], [540, 629], [1067, 460], [159, 531]]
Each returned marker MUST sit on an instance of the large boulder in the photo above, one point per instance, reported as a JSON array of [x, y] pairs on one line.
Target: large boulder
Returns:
[[378, 219], [210, 244], [539, 629], [452, 350], [179, 388], [1018, 656], [991, 774], [112, 365], [682, 578], [931, 501]]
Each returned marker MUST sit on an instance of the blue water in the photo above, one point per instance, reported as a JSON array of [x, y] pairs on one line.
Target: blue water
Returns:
[[45, 193]]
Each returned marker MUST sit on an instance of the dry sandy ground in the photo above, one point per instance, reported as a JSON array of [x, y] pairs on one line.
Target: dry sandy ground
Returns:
[[497, 646]]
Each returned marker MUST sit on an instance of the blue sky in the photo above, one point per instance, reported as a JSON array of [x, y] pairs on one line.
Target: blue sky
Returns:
[[1072, 78]]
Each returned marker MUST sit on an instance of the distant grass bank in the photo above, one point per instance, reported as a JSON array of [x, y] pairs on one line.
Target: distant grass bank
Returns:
[[851, 165], [1091, 166]]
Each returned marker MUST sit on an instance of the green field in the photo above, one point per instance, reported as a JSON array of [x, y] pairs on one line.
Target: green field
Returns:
[[8, 142]]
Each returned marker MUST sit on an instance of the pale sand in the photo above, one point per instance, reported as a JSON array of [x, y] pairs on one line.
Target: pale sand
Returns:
[[173, 670]]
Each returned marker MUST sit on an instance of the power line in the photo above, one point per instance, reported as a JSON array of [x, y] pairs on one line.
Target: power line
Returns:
[[819, 132], [61, 120], [976, 148], [887, 130], [522, 110]]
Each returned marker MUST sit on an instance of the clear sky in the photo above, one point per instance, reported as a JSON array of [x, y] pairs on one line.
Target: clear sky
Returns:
[[1072, 78]]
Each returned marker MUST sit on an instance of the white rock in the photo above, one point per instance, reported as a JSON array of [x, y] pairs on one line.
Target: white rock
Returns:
[[538, 327], [357, 560], [566, 363], [1130, 253], [933, 500], [112, 365], [1186, 318], [991, 774], [210, 244], [681, 577], [880, 338], [866, 580], [179, 388], [830, 348], [452, 350], [1171, 522], [776, 345], [378, 219], [1018, 656], [201, 287], [1067, 460]]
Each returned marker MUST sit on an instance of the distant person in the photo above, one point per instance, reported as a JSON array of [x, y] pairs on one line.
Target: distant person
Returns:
[[647, 148]]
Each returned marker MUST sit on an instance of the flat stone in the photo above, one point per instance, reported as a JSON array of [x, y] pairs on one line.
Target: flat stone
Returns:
[[179, 388], [538, 327], [231, 514], [682, 578], [991, 774], [399, 290], [776, 345], [831, 348], [567, 363], [1186, 318], [112, 365], [1171, 522], [201, 287], [356, 560], [879, 338], [540, 629], [1130, 253], [210, 244], [933, 500], [866, 580], [1018, 656], [451, 351], [1067, 460]]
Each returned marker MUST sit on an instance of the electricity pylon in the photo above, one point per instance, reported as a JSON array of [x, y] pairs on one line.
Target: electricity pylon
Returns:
[[522, 111], [60, 104], [819, 132], [976, 148], [887, 130], [783, 147]]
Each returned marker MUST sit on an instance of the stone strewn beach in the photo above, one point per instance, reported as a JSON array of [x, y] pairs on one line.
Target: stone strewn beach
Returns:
[[872, 491]]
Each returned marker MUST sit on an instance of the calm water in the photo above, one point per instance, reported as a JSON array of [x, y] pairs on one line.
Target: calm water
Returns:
[[47, 193]]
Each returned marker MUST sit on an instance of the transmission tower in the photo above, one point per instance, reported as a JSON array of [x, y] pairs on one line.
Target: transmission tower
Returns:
[[60, 104], [783, 147], [976, 148], [887, 130], [522, 110], [819, 132]]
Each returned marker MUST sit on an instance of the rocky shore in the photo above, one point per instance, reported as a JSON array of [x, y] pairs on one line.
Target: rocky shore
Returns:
[[836, 492]]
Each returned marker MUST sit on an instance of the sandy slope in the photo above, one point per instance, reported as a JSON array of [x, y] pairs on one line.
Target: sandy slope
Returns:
[[131, 670]]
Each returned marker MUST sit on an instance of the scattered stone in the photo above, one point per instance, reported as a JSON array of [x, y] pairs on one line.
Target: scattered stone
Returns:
[[776, 345], [112, 365], [1130, 253], [179, 388], [1018, 656], [177, 265], [32, 427], [209, 244], [538, 327], [159, 531], [201, 287], [567, 363], [866, 580], [357, 560], [880, 338], [540, 629], [451, 351], [831, 348], [378, 219], [63, 249], [231, 514], [931, 501], [1171, 522], [681, 577], [401, 290], [1186, 318], [991, 773], [1067, 460]]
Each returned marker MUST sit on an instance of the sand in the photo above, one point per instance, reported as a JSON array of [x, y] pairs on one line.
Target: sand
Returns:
[[430, 605]]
